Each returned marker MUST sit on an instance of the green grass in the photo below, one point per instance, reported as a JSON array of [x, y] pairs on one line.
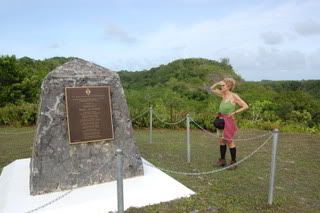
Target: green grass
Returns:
[[242, 190], [15, 143]]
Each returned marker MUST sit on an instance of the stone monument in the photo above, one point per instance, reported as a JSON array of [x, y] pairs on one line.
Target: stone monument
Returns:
[[83, 119]]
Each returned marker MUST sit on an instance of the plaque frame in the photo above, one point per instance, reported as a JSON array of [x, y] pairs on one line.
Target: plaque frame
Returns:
[[108, 110]]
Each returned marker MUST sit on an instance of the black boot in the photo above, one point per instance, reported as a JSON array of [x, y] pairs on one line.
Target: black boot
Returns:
[[233, 152], [222, 161]]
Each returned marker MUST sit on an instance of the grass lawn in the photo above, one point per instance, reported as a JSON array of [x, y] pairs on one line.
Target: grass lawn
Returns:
[[242, 190], [15, 143]]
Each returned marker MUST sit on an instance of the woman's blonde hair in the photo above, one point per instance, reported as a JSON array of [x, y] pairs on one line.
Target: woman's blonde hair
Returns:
[[230, 82]]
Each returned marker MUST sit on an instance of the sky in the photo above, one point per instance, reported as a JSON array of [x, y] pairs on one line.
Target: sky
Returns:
[[264, 40]]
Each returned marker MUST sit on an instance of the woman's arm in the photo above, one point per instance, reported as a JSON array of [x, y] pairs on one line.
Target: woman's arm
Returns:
[[216, 90], [243, 105]]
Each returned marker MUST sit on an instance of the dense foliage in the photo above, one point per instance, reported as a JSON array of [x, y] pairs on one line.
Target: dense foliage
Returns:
[[182, 87], [173, 90], [20, 81]]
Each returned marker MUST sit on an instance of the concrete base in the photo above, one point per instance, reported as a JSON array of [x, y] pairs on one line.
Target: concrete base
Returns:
[[154, 187]]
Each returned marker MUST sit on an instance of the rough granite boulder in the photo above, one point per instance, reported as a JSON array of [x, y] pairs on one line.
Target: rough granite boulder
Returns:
[[58, 165]]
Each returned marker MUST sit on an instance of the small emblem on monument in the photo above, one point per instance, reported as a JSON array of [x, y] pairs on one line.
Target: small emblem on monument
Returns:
[[88, 92]]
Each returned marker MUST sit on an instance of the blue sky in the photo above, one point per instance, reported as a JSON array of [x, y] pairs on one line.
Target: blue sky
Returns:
[[274, 39]]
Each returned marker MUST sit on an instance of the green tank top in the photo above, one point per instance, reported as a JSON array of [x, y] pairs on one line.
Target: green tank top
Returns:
[[226, 107]]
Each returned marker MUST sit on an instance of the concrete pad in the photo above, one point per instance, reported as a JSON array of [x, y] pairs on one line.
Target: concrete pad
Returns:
[[152, 188]]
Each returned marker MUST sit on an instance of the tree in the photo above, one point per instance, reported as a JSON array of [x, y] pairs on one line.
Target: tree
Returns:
[[8, 72], [10, 77]]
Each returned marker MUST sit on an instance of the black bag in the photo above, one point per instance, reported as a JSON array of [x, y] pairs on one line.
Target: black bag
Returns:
[[218, 123]]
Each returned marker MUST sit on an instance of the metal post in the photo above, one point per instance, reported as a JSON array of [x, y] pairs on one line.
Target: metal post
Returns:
[[273, 165], [150, 125], [120, 181], [188, 139]]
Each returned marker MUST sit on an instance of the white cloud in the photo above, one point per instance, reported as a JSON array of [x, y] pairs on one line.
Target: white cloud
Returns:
[[272, 38], [276, 59], [55, 46], [116, 33], [308, 27], [263, 41], [268, 63], [313, 61], [238, 37]]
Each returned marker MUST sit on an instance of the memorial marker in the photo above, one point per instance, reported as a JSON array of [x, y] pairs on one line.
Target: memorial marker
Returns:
[[89, 114], [83, 119]]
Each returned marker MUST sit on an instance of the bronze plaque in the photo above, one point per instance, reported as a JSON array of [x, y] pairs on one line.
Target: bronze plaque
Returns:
[[89, 114]]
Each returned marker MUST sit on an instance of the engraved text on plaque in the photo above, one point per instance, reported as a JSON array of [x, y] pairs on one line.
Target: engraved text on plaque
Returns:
[[89, 114]]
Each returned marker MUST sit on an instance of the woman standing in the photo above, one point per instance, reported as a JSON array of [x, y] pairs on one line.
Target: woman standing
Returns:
[[227, 111]]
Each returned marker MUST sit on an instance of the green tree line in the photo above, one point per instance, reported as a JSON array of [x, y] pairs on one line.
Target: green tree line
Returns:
[[20, 82], [173, 90], [182, 87]]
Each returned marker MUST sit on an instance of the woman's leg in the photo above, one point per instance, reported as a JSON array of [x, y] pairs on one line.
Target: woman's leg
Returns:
[[223, 149], [233, 152]]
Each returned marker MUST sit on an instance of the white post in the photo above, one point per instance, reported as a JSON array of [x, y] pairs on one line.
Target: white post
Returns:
[[273, 165], [150, 125], [188, 139], [120, 181]]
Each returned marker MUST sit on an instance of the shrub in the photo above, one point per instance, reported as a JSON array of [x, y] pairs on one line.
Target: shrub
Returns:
[[24, 114]]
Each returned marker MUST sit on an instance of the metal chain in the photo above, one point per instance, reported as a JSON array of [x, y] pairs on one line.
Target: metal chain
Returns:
[[237, 139], [206, 131], [68, 192], [212, 171], [151, 165], [215, 170], [139, 116], [65, 194], [163, 169], [49, 203], [174, 123]]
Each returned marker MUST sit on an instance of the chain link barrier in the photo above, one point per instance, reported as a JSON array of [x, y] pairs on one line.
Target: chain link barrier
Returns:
[[139, 116], [168, 123], [67, 193], [134, 158], [211, 171], [50, 202]]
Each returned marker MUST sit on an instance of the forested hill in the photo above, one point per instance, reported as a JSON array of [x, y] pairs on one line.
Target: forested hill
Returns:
[[173, 90], [198, 73], [310, 86], [183, 86], [192, 73]]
